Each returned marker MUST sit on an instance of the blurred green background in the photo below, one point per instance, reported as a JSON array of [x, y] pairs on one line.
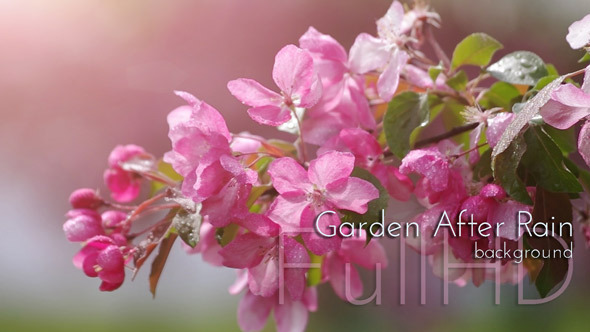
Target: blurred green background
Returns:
[[79, 77]]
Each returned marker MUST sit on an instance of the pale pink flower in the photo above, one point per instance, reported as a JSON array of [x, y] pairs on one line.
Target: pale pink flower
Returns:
[[567, 106], [326, 185], [343, 102], [294, 74], [579, 33], [383, 53]]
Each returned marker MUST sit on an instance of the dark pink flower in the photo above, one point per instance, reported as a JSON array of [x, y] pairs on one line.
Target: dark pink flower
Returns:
[[82, 224], [102, 257], [124, 185], [85, 198]]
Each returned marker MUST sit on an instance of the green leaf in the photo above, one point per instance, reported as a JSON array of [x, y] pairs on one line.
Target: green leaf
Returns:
[[585, 58], [585, 179], [166, 169], [255, 193], [500, 94], [458, 82], [375, 206], [483, 168], [406, 112], [522, 118], [160, 261], [476, 49], [551, 70], [544, 81], [226, 234], [452, 117], [434, 71], [314, 275], [505, 170], [520, 67], [436, 106], [544, 160], [565, 139], [551, 208], [188, 226]]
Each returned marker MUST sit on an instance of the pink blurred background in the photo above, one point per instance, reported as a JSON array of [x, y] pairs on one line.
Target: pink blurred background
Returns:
[[79, 77]]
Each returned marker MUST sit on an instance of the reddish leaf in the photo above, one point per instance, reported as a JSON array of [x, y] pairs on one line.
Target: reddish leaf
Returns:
[[160, 261]]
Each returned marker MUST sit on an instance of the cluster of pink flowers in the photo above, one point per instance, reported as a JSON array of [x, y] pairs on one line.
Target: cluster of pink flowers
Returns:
[[249, 203]]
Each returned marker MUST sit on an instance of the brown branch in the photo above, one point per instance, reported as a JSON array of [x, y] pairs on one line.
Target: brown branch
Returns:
[[453, 132]]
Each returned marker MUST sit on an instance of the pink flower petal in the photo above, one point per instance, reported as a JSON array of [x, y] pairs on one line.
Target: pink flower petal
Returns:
[[270, 115], [253, 93], [293, 71], [356, 250], [246, 250], [496, 127], [579, 33], [263, 279], [316, 243], [295, 253], [567, 106], [352, 195], [391, 22], [335, 270], [330, 167], [291, 316], [584, 143], [253, 312], [389, 79], [260, 224], [286, 210], [367, 53], [322, 44], [287, 176]]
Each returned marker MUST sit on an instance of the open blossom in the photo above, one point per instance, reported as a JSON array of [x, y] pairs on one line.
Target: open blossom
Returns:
[[370, 53], [123, 184], [343, 103], [442, 179], [103, 257], [579, 33], [569, 105], [201, 154], [354, 250], [368, 155], [260, 256], [294, 74], [326, 185]]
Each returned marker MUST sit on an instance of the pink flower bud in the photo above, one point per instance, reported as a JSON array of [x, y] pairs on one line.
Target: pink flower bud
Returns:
[[82, 227], [85, 198], [113, 218]]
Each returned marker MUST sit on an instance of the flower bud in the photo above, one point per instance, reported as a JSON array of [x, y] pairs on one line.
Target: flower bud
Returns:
[[113, 218], [85, 198], [82, 227]]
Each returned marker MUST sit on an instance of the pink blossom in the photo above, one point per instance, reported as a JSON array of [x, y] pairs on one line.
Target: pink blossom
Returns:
[[496, 127], [85, 198], [383, 53], [124, 185], [201, 154], [343, 102], [567, 106], [260, 255], [368, 155], [327, 185], [290, 316], [579, 33], [82, 225], [294, 74], [102, 257], [354, 250]]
